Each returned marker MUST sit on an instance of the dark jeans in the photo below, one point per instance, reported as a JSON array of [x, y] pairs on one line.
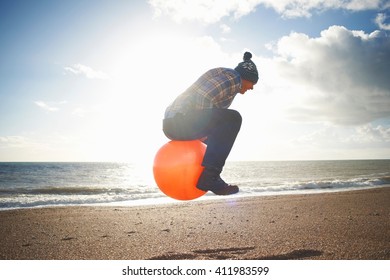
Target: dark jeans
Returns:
[[221, 127]]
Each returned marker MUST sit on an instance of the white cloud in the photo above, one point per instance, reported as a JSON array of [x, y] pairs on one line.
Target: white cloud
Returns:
[[380, 21], [80, 112], [225, 28], [80, 69], [211, 11], [339, 77], [45, 106], [369, 134], [206, 11], [358, 136], [13, 142], [39, 147]]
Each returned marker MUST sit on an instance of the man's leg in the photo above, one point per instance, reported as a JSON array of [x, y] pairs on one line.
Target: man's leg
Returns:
[[222, 131], [221, 127]]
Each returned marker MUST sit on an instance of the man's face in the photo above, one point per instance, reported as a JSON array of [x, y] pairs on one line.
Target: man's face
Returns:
[[246, 85]]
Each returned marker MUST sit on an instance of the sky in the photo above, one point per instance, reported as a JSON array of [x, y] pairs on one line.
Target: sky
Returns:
[[90, 80]]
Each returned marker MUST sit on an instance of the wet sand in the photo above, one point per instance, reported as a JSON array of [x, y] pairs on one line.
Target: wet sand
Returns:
[[347, 225]]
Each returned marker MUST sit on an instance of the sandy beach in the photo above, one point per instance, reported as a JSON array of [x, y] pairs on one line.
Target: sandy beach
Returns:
[[346, 225]]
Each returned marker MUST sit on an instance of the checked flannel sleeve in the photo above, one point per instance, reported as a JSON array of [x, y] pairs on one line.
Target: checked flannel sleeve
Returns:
[[214, 89]]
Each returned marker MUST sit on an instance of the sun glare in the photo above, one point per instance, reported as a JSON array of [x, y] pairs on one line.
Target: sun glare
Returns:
[[147, 74]]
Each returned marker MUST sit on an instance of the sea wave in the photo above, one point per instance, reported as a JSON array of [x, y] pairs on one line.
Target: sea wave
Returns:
[[343, 184], [69, 190], [41, 185], [315, 185], [63, 196], [51, 196]]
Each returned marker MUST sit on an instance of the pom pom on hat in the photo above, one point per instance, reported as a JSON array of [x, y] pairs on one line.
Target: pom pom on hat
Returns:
[[247, 56], [247, 69]]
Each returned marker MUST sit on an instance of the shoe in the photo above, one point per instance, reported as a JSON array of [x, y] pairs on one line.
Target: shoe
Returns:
[[210, 180]]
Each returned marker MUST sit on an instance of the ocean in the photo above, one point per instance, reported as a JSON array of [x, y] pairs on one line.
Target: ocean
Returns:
[[27, 185]]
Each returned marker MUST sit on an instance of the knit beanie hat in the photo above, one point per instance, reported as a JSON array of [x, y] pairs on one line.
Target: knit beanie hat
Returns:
[[247, 69]]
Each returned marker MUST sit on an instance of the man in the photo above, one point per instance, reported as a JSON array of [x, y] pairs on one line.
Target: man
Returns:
[[201, 112]]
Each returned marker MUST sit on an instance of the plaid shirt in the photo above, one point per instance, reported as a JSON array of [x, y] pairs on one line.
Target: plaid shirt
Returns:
[[214, 89]]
